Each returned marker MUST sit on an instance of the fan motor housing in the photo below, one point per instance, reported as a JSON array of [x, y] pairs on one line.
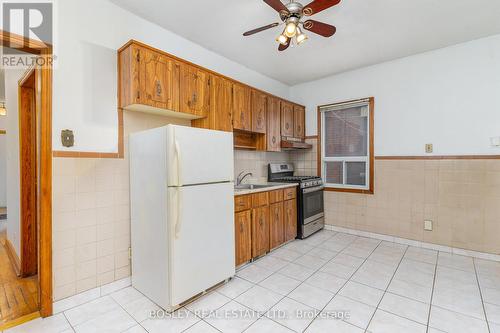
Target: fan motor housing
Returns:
[[294, 10]]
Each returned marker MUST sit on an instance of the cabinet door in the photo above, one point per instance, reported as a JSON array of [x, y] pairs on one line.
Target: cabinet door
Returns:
[[242, 103], [158, 80], [286, 119], [290, 211], [273, 124], [243, 236], [299, 118], [221, 103], [276, 225], [194, 91], [260, 231], [259, 107]]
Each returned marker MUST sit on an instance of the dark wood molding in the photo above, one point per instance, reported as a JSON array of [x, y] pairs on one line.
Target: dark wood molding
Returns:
[[13, 257], [371, 103]]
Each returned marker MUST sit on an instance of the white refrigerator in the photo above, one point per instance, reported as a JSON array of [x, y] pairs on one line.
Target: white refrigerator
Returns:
[[182, 212]]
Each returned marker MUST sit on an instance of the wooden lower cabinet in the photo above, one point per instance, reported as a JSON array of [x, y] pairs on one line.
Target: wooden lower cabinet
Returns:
[[260, 231], [290, 213], [243, 236], [276, 226]]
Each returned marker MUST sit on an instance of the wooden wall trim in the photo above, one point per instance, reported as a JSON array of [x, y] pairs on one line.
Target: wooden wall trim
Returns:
[[13, 257]]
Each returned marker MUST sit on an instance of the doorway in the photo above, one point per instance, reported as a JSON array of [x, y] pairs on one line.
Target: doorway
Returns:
[[32, 295]]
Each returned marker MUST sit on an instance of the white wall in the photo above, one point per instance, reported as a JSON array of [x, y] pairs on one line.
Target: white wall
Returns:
[[11, 102], [448, 97], [3, 169], [89, 33]]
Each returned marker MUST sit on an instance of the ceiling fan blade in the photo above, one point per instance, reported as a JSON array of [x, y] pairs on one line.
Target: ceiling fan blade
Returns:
[[277, 5], [254, 31], [318, 5], [282, 47], [320, 28]]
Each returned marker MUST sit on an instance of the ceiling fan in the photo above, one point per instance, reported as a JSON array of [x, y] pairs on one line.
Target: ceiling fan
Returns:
[[291, 15]]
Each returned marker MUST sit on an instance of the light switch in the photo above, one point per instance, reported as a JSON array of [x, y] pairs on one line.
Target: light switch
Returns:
[[429, 148], [428, 225]]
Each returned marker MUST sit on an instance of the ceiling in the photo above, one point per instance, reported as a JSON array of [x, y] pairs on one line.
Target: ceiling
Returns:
[[368, 31]]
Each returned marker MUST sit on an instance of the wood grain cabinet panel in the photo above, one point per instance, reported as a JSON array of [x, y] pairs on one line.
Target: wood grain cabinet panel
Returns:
[[289, 193], [290, 216], [243, 237], [242, 104], [273, 124], [276, 225], [299, 119], [287, 117], [260, 231], [242, 202], [259, 112], [220, 116], [275, 196], [260, 199], [194, 91]]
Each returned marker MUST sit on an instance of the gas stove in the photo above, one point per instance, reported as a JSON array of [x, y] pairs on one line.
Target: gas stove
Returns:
[[283, 173]]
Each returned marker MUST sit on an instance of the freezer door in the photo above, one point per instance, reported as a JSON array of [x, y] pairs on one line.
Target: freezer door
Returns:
[[202, 238], [199, 156]]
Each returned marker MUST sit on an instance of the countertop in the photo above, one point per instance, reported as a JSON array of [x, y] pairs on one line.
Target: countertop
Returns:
[[272, 187]]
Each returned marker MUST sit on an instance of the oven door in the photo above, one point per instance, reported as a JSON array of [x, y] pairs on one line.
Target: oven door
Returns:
[[312, 204]]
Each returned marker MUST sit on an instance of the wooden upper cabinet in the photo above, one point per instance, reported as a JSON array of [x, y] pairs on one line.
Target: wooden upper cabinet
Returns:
[[242, 104], [259, 111], [287, 116], [299, 119], [194, 91], [220, 116], [243, 236], [148, 78], [273, 124]]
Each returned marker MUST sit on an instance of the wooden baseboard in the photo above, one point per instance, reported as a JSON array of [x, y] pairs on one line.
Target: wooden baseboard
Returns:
[[14, 259], [19, 321]]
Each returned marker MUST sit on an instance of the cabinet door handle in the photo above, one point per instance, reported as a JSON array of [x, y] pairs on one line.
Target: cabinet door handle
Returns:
[[274, 139], [241, 228], [158, 88], [195, 97], [287, 126], [260, 222]]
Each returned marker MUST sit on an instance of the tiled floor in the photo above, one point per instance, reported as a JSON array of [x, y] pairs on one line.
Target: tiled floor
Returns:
[[331, 282]]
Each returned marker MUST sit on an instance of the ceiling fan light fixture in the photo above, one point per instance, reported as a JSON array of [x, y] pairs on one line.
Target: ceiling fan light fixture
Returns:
[[291, 29], [282, 39], [301, 38]]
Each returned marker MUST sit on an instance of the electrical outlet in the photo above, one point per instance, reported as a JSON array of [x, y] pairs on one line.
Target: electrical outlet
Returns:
[[428, 225], [429, 148]]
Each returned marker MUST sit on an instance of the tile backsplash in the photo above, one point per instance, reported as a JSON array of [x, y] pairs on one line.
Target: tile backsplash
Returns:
[[256, 162]]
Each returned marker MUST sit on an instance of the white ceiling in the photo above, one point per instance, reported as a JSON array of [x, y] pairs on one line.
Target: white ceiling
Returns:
[[368, 31]]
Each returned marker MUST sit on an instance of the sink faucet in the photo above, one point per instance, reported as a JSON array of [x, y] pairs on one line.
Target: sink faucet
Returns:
[[240, 178]]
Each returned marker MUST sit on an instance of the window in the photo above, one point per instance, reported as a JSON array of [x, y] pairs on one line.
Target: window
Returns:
[[347, 145]]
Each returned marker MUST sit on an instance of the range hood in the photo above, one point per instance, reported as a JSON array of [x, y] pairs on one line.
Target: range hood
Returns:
[[294, 144]]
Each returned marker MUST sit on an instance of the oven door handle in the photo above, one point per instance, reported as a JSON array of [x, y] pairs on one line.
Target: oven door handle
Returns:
[[313, 189]]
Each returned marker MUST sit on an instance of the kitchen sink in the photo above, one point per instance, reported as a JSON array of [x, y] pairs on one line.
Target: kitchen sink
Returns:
[[250, 186]]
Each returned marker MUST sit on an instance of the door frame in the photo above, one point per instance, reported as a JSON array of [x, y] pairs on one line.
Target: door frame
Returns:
[[42, 50]]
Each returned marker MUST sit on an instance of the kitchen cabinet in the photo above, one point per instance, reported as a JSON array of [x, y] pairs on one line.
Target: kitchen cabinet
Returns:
[[287, 117], [242, 112], [194, 91], [276, 225], [290, 219], [259, 114], [220, 116], [243, 236], [273, 124], [273, 221], [260, 231], [299, 118], [148, 80]]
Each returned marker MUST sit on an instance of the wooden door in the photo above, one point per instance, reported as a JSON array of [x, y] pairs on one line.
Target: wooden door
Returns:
[[276, 225], [286, 119], [299, 119], [260, 231], [242, 112], [243, 236], [259, 107], [28, 177], [194, 91], [290, 213], [158, 80], [273, 124]]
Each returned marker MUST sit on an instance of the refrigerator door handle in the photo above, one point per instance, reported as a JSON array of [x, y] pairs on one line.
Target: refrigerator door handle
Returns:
[[178, 213], [178, 155]]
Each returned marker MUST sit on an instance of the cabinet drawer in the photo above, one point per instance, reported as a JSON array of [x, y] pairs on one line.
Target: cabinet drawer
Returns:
[[289, 193], [242, 202], [275, 196], [260, 199]]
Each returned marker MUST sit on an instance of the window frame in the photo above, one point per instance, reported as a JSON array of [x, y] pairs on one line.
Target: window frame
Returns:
[[369, 189]]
